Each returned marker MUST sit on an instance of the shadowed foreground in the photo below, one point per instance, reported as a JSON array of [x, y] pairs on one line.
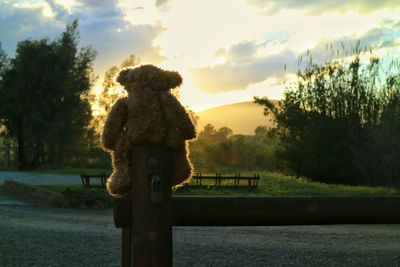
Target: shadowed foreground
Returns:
[[36, 236]]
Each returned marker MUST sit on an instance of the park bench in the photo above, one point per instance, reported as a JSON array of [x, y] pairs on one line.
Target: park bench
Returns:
[[87, 177], [237, 179]]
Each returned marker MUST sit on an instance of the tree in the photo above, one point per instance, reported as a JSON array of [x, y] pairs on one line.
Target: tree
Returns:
[[111, 91], [4, 135], [4, 61], [4, 65], [326, 119], [221, 150], [44, 99]]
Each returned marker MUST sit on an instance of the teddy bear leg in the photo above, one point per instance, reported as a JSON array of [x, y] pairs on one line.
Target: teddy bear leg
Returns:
[[119, 182], [182, 168]]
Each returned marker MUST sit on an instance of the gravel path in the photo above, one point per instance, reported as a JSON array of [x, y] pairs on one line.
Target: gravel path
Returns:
[[37, 236], [35, 178]]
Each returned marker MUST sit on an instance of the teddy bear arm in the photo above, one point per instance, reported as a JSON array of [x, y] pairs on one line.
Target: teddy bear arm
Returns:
[[180, 117], [114, 125], [188, 131]]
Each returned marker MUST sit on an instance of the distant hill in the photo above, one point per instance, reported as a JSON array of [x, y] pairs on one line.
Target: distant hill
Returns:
[[242, 118]]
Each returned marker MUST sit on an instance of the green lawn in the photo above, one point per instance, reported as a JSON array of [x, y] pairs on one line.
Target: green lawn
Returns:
[[271, 184], [276, 184]]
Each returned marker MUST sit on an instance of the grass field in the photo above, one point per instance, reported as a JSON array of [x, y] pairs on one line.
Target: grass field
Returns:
[[276, 184], [271, 184]]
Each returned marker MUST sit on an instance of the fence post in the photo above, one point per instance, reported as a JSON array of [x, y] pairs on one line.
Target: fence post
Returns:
[[151, 233], [126, 247]]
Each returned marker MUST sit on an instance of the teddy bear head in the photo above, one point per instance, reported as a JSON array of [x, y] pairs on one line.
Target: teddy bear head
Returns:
[[148, 77]]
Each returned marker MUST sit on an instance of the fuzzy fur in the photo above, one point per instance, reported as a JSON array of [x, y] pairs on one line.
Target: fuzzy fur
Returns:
[[149, 115]]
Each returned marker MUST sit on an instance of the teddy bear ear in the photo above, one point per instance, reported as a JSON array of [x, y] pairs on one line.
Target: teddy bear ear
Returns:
[[123, 76], [174, 79]]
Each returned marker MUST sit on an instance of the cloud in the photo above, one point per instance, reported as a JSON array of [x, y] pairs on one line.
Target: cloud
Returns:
[[386, 37], [102, 24], [237, 73], [242, 52], [114, 37], [115, 44], [161, 2], [96, 7], [383, 38], [22, 22], [195, 30], [243, 66], [164, 5], [316, 7]]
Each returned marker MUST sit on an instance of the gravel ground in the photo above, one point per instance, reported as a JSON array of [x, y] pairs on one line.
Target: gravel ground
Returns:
[[41, 179], [38, 236]]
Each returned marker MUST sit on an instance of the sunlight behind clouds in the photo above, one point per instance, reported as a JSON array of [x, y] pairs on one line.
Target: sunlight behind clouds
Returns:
[[226, 50], [217, 33], [195, 30], [215, 43], [139, 11], [46, 9]]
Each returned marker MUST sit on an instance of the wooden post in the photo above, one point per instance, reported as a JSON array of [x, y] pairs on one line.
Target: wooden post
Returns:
[[124, 205], [126, 247], [151, 236]]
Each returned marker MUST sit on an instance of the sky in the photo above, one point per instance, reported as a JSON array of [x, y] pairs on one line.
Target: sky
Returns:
[[226, 50]]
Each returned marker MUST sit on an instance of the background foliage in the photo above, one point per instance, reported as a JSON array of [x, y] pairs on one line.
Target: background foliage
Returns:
[[222, 151], [44, 101], [340, 122]]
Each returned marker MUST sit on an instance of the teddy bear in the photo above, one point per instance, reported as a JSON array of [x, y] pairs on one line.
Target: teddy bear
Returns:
[[150, 114]]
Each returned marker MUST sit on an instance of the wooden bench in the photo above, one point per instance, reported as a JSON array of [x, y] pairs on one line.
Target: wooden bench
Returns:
[[87, 177], [251, 181]]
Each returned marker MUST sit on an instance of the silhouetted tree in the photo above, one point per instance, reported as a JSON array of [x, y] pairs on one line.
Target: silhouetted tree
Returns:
[[44, 99]]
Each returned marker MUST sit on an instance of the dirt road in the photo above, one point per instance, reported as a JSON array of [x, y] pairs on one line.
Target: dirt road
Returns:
[[36, 178], [37, 236]]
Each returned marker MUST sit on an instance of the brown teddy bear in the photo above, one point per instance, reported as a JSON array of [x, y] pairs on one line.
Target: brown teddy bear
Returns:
[[150, 114]]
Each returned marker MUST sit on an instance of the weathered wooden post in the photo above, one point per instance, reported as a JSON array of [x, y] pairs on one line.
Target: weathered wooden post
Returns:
[[151, 232]]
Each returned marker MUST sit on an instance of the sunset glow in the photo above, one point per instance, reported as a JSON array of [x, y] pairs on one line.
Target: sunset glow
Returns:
[[227, 51]]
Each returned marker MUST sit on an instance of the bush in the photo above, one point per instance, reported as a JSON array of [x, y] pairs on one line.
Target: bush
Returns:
[[340, 122]]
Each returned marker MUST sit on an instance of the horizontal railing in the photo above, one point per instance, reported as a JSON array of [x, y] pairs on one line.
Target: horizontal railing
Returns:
[[259, 211]]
